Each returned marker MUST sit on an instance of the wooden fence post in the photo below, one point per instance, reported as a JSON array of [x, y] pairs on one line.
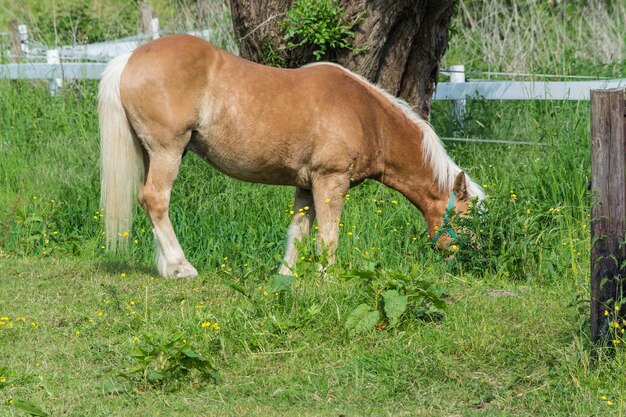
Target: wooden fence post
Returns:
[[149, 23], [16, 42], [608, 212]]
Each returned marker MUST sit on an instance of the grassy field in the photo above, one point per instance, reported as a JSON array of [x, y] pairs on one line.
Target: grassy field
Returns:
[[503, 348], [500, 329]]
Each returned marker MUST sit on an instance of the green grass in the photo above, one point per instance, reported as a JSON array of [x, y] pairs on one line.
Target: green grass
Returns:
[[503, 348]]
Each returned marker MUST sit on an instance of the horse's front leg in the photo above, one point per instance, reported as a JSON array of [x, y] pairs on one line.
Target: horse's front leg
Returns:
[[329, 194], [300, 227]]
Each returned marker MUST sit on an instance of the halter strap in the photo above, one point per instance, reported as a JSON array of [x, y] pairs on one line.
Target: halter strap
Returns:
[[446, 219]]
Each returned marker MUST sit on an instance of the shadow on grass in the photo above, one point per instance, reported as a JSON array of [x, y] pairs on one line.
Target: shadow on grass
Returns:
[[116, 266]]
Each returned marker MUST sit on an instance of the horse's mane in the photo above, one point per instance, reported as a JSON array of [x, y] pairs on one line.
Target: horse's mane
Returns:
[[444, 168]]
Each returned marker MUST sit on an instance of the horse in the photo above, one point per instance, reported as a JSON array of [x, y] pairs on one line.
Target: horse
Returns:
[[320, 128]]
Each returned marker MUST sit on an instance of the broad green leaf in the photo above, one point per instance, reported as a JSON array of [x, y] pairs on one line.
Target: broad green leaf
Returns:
[[394, 306], [155, 376], [30, 408], [212, 374], [359, 273], [282, 283], [191, 354], [362, 319], [175, 338]]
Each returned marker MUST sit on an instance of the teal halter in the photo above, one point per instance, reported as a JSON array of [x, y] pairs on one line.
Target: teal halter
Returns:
[[446, 218]]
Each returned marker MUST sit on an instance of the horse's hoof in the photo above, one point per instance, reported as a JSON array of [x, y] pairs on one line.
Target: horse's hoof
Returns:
[[185, 270]]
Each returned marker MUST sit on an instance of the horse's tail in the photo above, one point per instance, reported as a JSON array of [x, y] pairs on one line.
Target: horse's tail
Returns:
[[120, 158]]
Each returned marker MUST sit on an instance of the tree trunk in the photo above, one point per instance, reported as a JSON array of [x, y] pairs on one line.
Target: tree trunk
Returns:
[[403, 41]]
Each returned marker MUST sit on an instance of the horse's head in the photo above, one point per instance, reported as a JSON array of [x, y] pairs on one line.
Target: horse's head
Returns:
[[441, 230]]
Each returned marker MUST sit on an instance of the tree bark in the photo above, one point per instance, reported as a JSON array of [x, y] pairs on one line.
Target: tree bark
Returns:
[[403, 40]]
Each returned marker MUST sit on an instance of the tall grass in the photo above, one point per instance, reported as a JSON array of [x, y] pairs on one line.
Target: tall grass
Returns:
[[50, 152], [538, 36], [67, 22]]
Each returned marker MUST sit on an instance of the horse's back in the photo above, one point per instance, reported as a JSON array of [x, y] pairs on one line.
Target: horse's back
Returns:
[[253, 122]]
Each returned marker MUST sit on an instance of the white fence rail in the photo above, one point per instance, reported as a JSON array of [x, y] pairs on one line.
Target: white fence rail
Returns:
[[42, 71], [485, 90], [523, 90]]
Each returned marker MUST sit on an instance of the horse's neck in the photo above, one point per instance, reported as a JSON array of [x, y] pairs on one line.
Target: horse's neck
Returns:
[[407, 171]]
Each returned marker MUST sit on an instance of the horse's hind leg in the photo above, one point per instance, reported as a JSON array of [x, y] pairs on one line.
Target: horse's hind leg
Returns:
[[154, 196], [301, 220]]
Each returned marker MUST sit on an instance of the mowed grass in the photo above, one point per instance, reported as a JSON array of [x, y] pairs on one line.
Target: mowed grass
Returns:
[[513, 340], [503, 349]]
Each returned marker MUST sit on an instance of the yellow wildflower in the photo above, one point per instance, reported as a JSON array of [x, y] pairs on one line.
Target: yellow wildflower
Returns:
[[206, 324]]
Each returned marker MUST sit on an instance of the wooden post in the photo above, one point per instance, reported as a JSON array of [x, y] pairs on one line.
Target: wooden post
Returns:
[[149, 23], [608, 211], [16, 42]]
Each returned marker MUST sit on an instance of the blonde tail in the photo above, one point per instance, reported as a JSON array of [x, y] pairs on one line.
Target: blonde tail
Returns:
[[120, 158]]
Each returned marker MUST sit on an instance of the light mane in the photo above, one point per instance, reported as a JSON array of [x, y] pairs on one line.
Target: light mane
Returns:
[[444, 168]]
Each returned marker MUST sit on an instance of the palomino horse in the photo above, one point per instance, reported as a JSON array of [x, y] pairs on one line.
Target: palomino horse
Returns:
[[320, 128]]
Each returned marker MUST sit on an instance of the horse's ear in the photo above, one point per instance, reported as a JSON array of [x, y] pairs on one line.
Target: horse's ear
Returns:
[[460, 186]]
